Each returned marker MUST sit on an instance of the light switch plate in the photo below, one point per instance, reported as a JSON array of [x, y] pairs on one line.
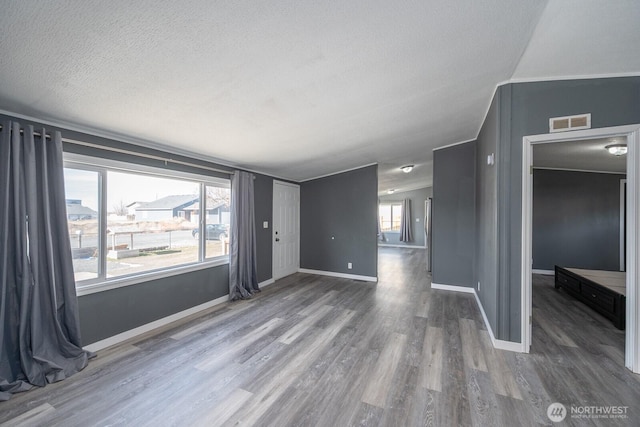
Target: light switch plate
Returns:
[[265, 224]]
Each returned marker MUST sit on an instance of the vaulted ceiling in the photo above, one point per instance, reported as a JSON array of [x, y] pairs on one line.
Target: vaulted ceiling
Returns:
[[299, 89]]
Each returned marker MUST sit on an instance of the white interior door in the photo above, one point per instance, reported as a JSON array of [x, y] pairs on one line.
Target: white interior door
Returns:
[[286, 229]]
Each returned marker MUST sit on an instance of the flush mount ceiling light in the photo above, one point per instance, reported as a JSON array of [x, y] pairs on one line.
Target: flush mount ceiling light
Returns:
[[617, 149], [391, 191], [407, 168]]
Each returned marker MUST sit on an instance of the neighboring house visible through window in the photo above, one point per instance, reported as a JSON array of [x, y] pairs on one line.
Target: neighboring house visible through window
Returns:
[[125, 221], [390, 216]]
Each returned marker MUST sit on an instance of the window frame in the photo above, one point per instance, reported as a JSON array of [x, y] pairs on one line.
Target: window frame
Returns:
[[102, 167], [391, 205]]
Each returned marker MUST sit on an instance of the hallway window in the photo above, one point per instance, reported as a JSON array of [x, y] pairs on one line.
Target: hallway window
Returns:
[[390, 216]]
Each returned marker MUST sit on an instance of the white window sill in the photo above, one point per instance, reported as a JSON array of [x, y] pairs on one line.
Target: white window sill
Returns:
[[115, 283]]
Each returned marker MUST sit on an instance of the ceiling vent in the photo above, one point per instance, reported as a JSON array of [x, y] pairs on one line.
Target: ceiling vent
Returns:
[[563, 124]]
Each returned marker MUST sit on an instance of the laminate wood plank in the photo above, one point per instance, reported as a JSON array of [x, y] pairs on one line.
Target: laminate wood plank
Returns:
[[425, 410], [329, 386], [502, 377], [238, 346], [36, 416], [326, 299], [466, 306], [209, 322], [225, 409], [555, 332], [422, 310], [472, 351], [311, 318], [454, 389], [432, 359], [376, 392], [415, 340], [265, 396], [341, 408], [366, 415], [482, 399], [402, 394], [533, 391], [436, 308], [320, 377], [515, 412]]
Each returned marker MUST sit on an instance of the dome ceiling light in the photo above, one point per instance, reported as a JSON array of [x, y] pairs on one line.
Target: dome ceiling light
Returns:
[[617, 149], [407, 168]]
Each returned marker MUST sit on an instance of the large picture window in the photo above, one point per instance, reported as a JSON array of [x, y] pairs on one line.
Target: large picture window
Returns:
[[390, 216], [128, 222]]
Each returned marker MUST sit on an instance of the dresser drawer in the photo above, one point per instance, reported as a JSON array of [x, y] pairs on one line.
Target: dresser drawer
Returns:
[[599, 297], [567, 282]]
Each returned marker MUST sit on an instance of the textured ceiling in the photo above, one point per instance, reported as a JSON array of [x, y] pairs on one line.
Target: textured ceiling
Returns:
[[298, 89], [587, 155]]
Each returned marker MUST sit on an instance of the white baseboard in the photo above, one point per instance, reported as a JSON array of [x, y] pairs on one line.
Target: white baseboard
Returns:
[[452, 288], [392, 245], [545, 272], [266, 283], [116, 339], [341, 275], [499, 344]]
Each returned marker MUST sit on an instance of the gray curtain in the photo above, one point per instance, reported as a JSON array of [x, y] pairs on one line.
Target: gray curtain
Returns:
[[243, 275], [406, 234], [40, 330]]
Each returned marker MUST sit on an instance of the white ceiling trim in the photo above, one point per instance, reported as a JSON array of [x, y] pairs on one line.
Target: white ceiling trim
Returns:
[[339, 172], [458, 143], [575, 77]]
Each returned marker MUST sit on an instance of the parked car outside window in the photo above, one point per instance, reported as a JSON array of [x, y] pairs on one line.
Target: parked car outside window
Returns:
[[214, 232]]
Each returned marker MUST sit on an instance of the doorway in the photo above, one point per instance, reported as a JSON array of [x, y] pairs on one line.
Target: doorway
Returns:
[[631, 136], [286, 229]]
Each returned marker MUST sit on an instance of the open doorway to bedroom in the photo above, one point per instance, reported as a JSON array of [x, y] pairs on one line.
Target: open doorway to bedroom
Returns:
[[578, 282], [567, 234]]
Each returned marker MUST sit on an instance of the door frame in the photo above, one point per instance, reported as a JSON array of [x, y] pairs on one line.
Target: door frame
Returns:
[[631, 133], [623, 219], [273, 230]]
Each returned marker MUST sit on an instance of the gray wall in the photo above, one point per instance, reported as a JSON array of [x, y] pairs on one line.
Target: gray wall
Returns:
[[111, 312], [263, 200], [108, 313], [576, 220], [454, 227], [486, 250], [417, 198], [611, 102], [338, 222]]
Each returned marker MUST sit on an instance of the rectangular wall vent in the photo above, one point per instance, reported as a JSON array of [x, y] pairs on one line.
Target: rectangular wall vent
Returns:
[[563, 124]]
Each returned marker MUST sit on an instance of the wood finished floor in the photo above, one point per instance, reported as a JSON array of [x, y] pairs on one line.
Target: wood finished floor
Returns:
[[319, 351]]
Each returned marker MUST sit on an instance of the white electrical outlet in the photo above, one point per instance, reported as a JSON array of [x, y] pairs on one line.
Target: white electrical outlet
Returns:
[[349, 265], [265, 224]]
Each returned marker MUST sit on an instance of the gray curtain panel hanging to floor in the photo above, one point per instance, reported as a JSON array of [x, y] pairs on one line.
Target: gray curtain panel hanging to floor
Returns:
[[40, 330], [405, 222], [243, 271]]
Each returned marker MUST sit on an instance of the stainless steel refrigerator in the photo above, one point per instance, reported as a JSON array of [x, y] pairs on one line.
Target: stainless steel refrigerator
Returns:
[[427, 230]]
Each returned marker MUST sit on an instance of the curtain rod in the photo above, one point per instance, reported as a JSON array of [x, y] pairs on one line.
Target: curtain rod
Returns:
[[132, 153]]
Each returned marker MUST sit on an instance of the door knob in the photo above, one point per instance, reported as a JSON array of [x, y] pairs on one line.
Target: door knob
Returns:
[[277, 239]]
